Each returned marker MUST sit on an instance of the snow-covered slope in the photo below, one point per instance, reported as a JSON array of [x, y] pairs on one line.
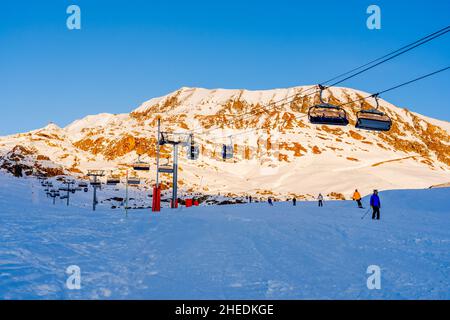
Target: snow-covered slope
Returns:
[[248, 251], [277, 150]]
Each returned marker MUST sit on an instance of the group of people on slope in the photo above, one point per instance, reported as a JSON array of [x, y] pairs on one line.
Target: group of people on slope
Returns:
[[375, 202]]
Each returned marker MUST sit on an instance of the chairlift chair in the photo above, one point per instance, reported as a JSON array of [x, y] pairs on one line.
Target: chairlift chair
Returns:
[[140, 165], [227, 150], [192, 149], [326, 113], [133, 180], [373, 119], [166, 168], [95, 183], [112, 180]]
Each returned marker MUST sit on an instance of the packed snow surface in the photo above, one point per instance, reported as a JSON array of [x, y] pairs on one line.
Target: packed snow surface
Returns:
[[247, 251]]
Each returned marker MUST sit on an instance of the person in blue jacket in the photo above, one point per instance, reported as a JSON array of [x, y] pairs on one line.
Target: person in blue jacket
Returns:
[[375, 203]]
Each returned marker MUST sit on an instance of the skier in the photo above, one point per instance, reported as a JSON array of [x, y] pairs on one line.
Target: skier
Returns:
[[270, 201], [357, 198], [320, 198], [375, 203], [294, 201]]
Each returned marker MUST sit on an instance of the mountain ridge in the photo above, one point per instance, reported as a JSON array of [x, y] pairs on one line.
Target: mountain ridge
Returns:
[[108, 141]]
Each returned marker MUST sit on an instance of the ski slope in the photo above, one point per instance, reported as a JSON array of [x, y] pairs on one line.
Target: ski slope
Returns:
[[247, 251]]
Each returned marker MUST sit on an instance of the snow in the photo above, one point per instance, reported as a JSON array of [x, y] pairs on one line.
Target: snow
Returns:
[[247, 251]]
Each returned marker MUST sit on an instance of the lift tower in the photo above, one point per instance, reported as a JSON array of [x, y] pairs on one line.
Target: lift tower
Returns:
[[174, 140], [95, 183]]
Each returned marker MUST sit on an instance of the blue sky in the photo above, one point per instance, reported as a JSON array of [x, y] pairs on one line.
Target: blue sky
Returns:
[[130, 51]]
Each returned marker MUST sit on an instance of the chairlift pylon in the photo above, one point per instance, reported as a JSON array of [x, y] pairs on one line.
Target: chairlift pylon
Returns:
[[372, 119], [326, 113]]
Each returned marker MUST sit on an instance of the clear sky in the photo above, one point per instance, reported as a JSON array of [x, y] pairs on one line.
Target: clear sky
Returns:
[[130, 51]]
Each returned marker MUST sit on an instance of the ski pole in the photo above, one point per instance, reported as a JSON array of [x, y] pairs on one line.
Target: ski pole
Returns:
[[365, 213]]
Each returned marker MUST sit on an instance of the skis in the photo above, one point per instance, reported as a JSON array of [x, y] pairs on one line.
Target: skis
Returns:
[[365, 214]]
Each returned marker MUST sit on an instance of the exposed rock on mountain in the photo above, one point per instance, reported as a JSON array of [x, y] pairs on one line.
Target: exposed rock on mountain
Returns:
[[277, 150]]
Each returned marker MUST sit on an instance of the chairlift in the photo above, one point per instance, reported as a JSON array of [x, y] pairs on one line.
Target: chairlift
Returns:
[[83, 186], [134, 180], [140, 165], [162, 139], [373, 119], [166, 168], [95, 183], [192, 149], [112, 180], [227, 150], [326, 113]]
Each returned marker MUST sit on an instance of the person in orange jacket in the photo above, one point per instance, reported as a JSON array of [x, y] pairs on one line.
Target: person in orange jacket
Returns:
[[357, 198]]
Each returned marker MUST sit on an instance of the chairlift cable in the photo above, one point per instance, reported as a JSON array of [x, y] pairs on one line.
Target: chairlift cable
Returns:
[[396, 87], [386, 55], [366, 67], [414, 80], [447, 29], [363, 98]]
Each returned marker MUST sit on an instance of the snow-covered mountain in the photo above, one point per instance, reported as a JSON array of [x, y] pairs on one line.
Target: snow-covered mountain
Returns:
[[277, 151]]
